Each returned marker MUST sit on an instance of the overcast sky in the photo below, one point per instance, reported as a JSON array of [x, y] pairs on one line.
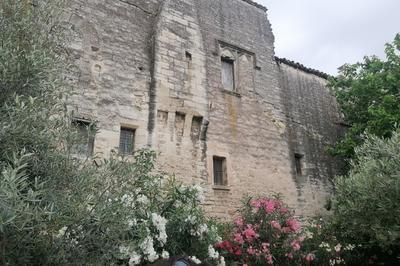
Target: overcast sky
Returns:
[[325, 34]]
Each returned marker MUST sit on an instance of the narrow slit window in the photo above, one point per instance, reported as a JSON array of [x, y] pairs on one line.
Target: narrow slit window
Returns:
[[298, 161], [220, 175], [127, 141], [228, 73]]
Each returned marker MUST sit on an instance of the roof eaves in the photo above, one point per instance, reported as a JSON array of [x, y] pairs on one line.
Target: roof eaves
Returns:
[[256, 5], [302, 67]]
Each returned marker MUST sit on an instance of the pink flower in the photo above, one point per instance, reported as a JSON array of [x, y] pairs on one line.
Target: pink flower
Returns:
[[251, 251], [255, 203], [295, 245], [249, 233], [239, 222], [310, 257], [238, 238], [289, 255], [265, 247], [293, 224], [269, 259], [284, 210], [275, 224], [286, 230], [269, 206]]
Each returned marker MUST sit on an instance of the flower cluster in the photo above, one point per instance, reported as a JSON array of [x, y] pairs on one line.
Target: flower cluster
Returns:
[[266, 233]]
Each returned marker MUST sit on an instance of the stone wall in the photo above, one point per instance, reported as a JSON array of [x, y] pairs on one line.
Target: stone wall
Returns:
[[156, 66], [313, 125]]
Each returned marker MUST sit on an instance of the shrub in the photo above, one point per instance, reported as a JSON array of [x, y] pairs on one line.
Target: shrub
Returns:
[[367, 201], [266, 233]]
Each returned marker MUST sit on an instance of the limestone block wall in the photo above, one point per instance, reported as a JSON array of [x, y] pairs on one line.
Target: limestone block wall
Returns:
[[155, 65], [314, 123], [111, 65]]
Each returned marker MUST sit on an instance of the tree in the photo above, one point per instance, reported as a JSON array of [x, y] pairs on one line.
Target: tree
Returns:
[[366, 205], [369, 96]]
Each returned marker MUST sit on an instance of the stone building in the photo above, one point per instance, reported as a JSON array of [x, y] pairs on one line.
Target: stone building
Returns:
[[198, 81]]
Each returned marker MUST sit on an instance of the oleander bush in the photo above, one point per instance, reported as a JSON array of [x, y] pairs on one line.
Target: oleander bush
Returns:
[[265, 233]]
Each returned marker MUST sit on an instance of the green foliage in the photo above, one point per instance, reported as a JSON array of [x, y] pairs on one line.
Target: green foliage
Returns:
[[368, 94], [367, 201], [29, 41]]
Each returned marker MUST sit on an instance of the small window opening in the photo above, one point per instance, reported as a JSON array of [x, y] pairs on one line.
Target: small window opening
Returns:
[[220, 175], [85, 143], [298, 161], [228, 73], [127, 141], [188, 56]]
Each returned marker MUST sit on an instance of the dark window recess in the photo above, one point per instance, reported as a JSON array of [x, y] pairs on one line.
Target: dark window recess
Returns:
[[179, 124], [196, 127], [85, 142], [126, 141], [228, 73], [188, 56], [220, 175], [297, 160]]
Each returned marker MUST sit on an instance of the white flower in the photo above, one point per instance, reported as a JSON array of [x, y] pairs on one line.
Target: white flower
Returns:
[[324, 245], [165, 254], [61, 232], [160, 223], [203, 229], [212, 253], [147, 246], [124, 250], [152, 257], [221, 261], [191, 219], [195, 260], [199, 193], [128, 200], [134, 259], [132, 223], [338, 247], [143, 199], [349, 247]]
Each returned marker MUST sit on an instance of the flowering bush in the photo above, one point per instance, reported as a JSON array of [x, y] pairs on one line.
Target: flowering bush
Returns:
[[321, 241], [138, 216], [266, 233]]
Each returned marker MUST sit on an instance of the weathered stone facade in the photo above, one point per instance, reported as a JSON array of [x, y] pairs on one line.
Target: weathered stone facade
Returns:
[[155, 66]]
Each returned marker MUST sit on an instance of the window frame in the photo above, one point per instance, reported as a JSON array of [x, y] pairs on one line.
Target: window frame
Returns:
[[79, 123], [228, 61], [222, 180], [121, 146]]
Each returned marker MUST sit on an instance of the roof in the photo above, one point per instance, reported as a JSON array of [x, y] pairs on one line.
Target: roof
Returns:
[[302, 67], [256, 5]]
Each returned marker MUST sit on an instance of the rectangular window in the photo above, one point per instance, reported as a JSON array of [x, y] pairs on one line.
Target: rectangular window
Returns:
[[85, 143], [126, 141], [220, 175], [228, 73], [297, 159]]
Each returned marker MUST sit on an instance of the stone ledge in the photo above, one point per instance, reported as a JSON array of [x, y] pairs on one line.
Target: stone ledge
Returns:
[[222, 188], [231, 93]]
